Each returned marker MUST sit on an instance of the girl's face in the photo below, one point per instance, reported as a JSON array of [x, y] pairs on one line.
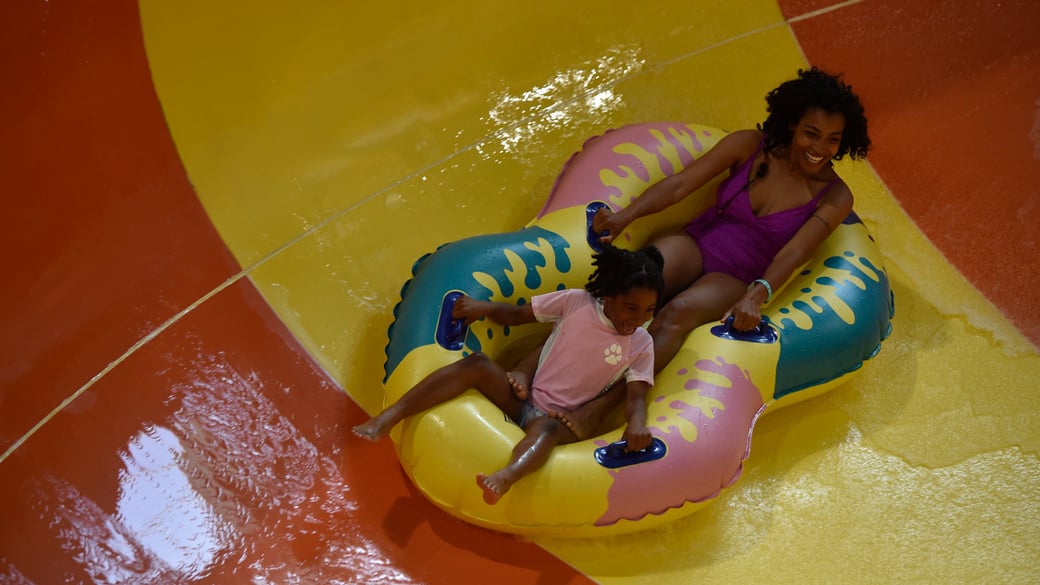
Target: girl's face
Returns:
[[817, 137], [629, 310]]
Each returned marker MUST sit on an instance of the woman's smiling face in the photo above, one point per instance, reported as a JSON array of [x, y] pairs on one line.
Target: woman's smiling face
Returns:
[[817, 138]]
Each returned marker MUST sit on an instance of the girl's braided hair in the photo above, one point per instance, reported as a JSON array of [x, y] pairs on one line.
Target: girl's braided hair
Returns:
[[815, 89], [617, 271]]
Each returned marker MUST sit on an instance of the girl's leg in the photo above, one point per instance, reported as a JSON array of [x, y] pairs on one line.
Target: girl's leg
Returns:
[[542, 435], [475, 371], [706, 300]]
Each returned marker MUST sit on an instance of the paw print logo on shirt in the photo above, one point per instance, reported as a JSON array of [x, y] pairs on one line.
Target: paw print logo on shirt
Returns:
[[612, 355]]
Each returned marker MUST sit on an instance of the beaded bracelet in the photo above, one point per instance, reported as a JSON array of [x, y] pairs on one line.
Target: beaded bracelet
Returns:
[[765, 283]]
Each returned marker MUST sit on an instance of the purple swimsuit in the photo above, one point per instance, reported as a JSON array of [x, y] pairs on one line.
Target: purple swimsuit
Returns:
[[735, 242]]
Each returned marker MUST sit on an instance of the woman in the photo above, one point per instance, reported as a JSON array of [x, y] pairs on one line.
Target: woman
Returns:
[[781, 199]]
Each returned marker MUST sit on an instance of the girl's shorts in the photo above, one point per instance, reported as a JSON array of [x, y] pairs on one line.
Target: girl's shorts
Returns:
[[528, 413]]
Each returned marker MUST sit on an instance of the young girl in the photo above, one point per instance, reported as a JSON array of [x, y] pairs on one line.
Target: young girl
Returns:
[[597, 337]]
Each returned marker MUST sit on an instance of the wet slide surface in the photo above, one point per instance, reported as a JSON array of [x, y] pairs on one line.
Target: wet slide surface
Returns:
[[198, 218]]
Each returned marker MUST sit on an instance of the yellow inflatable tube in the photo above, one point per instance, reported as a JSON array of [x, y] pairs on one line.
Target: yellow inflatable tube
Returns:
[[822, 325]]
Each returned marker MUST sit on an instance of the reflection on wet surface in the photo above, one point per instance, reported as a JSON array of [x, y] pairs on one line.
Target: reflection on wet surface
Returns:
[[586, 93], [226, 484]]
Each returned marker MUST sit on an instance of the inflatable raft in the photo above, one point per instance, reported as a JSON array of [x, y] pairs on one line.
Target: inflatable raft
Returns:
[[819, 329]]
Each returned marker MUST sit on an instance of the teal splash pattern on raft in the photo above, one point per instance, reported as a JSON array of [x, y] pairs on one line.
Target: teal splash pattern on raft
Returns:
[[847, 310]]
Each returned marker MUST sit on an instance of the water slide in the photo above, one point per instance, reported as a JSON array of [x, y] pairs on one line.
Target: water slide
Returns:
[[210, 208]]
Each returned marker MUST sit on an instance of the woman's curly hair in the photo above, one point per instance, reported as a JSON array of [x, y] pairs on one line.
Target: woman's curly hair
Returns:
[[815, 89], [618, 271]]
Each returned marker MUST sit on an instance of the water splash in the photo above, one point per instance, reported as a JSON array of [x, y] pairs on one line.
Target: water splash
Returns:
[[585, 92]]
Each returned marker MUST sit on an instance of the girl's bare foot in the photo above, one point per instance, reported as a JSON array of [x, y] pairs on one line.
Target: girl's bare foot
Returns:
[[582, 427], [493, 487], [519, 381], [563, 419], [370, 430]]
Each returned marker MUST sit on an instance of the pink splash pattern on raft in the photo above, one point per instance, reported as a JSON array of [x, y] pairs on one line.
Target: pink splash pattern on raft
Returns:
[[618, 151], [720, 423]]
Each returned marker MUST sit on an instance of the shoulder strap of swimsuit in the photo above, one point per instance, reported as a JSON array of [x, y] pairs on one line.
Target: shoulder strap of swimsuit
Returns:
[[745, 168], [744, 173]]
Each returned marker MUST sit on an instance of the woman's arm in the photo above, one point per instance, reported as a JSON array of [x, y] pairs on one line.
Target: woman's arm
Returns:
[[469, 310], [732, 150], [833, 209]]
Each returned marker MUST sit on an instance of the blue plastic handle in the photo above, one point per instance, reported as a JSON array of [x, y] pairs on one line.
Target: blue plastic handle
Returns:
[[762, 333], [614, 455], [591, 236], [451, 333]]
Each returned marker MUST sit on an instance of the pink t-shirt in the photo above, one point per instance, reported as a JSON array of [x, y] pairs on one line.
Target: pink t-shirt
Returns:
[[584, 354]]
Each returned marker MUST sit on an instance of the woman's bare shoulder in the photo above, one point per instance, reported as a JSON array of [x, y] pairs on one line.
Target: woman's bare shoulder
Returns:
[[738, 145], [837, 193], [747, 138]]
